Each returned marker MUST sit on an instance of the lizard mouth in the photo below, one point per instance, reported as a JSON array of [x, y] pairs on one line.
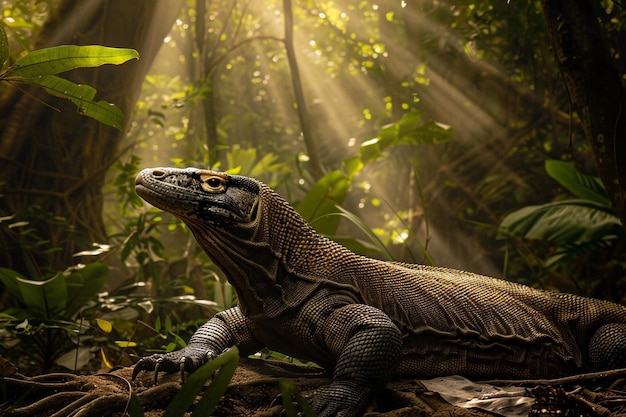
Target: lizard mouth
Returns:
[[143, 191], [149, 195], [149, 186]]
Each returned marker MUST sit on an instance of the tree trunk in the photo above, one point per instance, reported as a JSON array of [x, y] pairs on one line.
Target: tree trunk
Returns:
[[52, 160], [303, 115], [596, 91]]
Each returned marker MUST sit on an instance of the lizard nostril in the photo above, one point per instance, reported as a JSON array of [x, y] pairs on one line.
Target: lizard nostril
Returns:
[[158, 173]]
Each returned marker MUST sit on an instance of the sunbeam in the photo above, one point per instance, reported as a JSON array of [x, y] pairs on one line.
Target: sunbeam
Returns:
[[362, 67]]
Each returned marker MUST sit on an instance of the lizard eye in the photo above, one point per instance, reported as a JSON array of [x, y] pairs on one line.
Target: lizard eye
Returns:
[[213, 184]]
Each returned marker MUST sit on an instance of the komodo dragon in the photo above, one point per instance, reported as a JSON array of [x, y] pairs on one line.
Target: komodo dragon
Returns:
[[367, 320]]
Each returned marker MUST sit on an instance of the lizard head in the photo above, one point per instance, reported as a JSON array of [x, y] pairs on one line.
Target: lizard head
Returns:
[[198, 195]]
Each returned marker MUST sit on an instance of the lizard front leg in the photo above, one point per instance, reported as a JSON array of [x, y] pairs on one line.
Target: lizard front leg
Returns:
[[370, 345], [222, 331]]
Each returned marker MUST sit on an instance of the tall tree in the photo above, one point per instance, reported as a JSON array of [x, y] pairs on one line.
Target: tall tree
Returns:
[[52, 160], [595, 88]]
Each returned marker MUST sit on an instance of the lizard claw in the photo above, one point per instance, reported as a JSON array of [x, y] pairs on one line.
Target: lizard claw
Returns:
[[139, 366], [183, 361], [150, 363], [157, 368]]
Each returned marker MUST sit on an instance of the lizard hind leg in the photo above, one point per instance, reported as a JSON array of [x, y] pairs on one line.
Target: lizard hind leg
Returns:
[[607, 347], [369, 346]]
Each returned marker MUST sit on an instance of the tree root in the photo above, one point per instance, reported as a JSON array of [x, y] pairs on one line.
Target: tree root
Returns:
[[95, 407], [158, 396], [46, 382], [67, 410], [65, 395], [47, 403]]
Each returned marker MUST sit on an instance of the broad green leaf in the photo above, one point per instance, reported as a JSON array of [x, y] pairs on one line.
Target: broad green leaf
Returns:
[[408, 122], [81, 96], [564, 222], [389, 134], [409, 130], [83, 284], [183, 399], [4, 47], [242, 158], [352, 165], [567, 253], [45, 298], [322, 199], [371, 150], [8, 277], [430, 133], [63, 58], [584, 186], [245, 162]]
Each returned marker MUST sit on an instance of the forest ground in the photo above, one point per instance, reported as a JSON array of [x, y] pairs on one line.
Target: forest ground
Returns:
[[254, 391]]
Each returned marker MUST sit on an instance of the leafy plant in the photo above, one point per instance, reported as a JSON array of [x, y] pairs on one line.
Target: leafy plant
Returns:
[[125, 183], [289, 393], [47, 321], [572, 228], [145, 248], [323, 205], [121, 315], [223, 367], [40, 67], [576, 225], [60, 296], [323, 199], [411, 129], [266, 168]]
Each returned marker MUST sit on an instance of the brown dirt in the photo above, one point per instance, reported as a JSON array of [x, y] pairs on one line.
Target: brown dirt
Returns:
[[254, 391]]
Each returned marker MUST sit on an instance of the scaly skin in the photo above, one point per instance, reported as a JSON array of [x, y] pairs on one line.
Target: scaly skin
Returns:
[[368, 320]]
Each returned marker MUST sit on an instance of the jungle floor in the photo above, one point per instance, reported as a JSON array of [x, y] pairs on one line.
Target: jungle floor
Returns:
[[254, 391]]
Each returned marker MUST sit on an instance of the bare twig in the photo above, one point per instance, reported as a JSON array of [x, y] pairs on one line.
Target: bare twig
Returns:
[[573, 379]]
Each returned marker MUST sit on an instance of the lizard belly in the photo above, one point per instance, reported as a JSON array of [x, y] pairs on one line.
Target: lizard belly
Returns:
[[430, 356], [462, 323]]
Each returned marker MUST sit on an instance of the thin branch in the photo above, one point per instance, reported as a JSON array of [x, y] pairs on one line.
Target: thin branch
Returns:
[[573, 379]]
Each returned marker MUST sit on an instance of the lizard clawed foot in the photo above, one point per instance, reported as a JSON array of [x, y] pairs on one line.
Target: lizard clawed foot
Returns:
[[184, 360], [278, 401], [341, 399]]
